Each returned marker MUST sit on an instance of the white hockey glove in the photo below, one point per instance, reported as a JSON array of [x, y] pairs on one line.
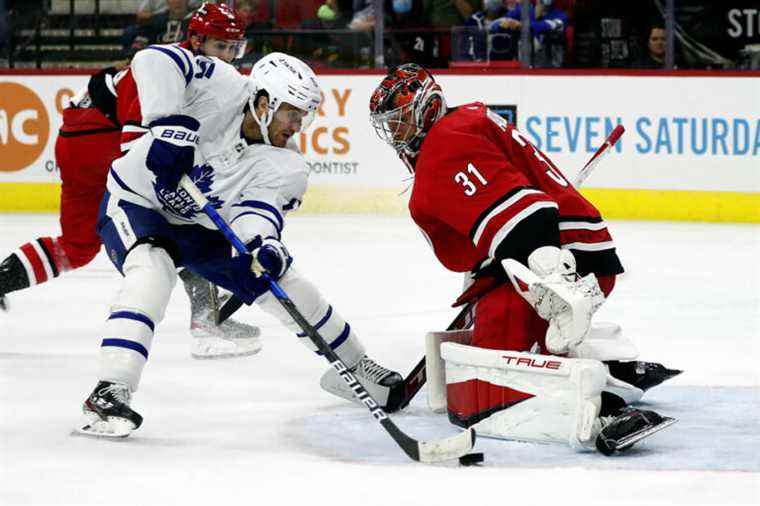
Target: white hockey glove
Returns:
[[553, 288]]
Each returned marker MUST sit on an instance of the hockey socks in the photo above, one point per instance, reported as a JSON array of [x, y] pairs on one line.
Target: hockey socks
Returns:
[[32, 264]]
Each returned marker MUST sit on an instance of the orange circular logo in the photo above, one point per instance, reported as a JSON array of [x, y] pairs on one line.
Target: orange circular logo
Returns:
[[24, 127]]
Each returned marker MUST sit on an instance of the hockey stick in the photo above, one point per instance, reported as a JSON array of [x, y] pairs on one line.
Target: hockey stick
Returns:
[[418, 377], [609, 142], [228, 308], [422, 451]]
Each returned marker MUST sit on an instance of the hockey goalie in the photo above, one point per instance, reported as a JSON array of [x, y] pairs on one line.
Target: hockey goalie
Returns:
[[539, 261]]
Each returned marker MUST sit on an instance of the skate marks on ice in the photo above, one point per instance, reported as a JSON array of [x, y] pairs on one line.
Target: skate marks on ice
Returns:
[[716, 431]]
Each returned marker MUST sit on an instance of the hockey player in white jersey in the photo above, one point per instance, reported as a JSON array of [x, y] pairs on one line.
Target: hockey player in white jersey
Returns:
[[229, 135], [102, 120]]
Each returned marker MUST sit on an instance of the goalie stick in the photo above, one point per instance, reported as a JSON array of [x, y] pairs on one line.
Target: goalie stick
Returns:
[[418, 376], [422, 451]]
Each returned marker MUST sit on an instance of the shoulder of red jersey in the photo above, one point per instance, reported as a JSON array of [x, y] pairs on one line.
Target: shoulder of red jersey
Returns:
[[461, 116], [461, 120]]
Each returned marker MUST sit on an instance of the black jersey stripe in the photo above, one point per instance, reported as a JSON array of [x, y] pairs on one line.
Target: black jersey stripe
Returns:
[[496, 204], [535, 230], [602, 263]]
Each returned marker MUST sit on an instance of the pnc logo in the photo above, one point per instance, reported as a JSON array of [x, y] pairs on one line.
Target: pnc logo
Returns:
[[24, 127]]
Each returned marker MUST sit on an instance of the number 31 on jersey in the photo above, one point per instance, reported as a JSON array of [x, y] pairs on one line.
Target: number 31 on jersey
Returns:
[[469, 186]]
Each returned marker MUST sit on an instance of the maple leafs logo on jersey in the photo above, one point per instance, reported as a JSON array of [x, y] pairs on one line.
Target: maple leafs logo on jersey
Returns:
[[180, 204]]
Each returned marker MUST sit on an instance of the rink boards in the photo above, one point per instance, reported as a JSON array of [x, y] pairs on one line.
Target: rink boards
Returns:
[[691, 149]]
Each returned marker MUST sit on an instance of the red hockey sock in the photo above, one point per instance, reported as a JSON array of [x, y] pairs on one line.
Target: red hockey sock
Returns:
[[43, 259]]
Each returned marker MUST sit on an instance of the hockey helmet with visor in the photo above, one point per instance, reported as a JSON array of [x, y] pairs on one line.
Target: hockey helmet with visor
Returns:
[[219, 22], [282, 78]]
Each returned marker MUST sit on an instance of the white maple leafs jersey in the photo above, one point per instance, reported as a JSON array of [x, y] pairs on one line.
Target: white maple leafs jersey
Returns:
[[251, 186]]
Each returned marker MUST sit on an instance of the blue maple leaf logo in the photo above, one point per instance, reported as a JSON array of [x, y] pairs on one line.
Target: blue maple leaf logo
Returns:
[[180, 204]]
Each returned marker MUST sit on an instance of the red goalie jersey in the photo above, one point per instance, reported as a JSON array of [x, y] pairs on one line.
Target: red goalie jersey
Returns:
[[482, 191]]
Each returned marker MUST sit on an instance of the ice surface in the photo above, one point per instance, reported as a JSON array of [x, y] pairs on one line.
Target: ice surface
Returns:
[[259, 430]]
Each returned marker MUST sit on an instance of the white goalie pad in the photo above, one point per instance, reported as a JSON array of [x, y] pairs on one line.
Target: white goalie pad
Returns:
[[435, 367], [605, 341], [524, 396]]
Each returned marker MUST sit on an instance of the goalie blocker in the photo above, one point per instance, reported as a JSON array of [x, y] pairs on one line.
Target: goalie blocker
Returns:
[[539, 398]]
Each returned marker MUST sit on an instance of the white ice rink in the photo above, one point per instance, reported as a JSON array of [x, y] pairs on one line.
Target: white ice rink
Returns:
[[259, 431]]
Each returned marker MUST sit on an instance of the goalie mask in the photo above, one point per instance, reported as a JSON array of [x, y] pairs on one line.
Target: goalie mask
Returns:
[[220, 22], [404, 107], [283, 79]]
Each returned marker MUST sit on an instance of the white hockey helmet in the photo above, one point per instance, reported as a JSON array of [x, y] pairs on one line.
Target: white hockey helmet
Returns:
[[287, 79]]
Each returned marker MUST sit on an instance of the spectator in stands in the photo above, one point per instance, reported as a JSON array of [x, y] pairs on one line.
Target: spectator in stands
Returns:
[[167, 27], [547, 27], [150, 8], [155, 16], [474, 40], [548, 30], [329, 46], [364, 16], [504, 32], [655, 56], [408, 43], [445, 13], [290, 14], [255, 14]]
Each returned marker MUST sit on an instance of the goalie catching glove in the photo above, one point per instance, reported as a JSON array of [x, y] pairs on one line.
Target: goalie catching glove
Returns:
[[554, 289]]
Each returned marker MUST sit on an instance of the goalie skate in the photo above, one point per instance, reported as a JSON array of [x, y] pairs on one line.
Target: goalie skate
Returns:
[[106, 412], [385, 386], [630, 426], [3, 303], [643, 375], [226, 340]]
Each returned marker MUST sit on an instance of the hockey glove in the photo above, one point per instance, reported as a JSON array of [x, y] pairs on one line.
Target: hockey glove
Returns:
[[241, 280], [102, 92], [553, 288], [173, 150], [271, 257], [243, 273]]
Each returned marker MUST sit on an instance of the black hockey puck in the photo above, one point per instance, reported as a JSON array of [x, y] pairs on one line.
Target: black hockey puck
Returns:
[[471, 459]]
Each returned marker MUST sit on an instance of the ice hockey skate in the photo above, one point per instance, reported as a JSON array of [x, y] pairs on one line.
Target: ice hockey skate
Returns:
[[643, 375], [226, 340], [621, 432], [106, 412], [12, 278], [211, 340], [384, 385]]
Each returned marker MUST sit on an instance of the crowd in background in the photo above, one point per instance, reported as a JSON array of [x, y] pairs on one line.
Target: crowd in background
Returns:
[[441, 33]]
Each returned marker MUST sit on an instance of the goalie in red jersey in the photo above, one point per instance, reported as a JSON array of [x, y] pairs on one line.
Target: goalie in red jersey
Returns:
[[539, 261], [101, 123]]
